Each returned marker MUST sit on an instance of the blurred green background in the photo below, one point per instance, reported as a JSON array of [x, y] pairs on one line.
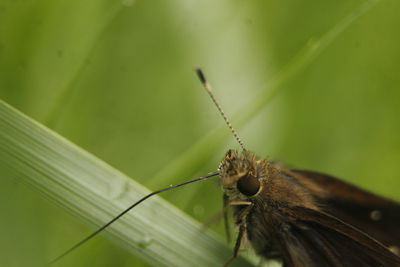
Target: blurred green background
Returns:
[[116, 78]]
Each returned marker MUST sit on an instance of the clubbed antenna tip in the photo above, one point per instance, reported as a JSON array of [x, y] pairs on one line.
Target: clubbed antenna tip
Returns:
[[201, 76]]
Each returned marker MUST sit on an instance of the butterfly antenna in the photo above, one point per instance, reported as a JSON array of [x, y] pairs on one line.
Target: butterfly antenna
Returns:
[[208, 88], [128, 209]]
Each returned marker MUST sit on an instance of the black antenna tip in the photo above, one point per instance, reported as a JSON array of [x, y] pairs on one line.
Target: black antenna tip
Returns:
[[201, 76]]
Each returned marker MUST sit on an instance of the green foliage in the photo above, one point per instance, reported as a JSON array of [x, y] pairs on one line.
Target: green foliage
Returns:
[[92, 190], [312, 84]]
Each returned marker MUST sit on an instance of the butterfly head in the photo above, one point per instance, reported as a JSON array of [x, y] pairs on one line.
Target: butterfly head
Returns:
[[241, 174]]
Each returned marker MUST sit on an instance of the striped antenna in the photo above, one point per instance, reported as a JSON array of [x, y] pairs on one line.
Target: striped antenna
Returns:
[[208, 88]]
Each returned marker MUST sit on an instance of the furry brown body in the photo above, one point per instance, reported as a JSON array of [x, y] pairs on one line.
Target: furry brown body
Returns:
[[308, 219]]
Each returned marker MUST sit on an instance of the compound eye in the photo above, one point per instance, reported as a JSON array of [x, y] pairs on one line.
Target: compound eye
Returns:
[[248, 185]]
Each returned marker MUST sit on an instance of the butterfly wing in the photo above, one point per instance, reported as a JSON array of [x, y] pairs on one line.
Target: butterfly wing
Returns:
[[314, 238], [374, 215]]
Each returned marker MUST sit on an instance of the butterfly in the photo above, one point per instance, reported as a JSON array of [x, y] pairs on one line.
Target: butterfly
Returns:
[[302, 218], [305, 218]]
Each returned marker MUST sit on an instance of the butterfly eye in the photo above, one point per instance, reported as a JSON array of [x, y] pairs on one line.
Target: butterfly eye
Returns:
[[248, 185]]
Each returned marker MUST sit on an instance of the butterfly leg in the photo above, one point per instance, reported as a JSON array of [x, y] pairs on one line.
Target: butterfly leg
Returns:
[[243, 213], [225, 200], [242, 229], [242, 226], [223, 213], [213, 218]]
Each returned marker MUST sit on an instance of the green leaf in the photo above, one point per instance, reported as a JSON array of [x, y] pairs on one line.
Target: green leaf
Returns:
[[94, 191]]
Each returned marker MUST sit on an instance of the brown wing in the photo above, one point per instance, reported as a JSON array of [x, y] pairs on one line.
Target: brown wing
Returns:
[[374, 215], [313, 238]]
